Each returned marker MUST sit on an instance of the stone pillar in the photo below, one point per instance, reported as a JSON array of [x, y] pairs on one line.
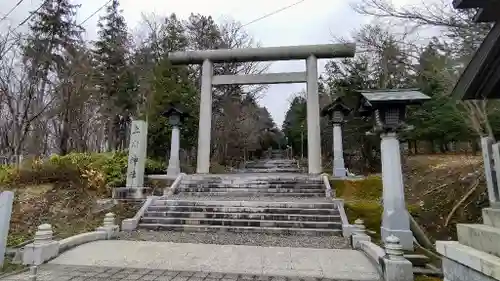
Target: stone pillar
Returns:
[[205, 123], [338, 152], [395, 218], [174, 162], [313, 127], [137, 157], [6, 200], [491, 159]]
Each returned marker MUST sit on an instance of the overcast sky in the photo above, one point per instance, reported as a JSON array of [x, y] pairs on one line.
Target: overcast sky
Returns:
[[310, 22]]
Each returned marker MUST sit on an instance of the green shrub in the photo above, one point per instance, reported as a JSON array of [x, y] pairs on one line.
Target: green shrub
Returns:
[[94, 170], [113, 165]]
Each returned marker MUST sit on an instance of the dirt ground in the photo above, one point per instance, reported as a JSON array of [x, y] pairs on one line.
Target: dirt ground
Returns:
[[449, 189]]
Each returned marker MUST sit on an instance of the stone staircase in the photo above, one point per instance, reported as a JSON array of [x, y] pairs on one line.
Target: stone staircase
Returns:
[[243, 216], [256, 203], [252, 185], [476, 254]]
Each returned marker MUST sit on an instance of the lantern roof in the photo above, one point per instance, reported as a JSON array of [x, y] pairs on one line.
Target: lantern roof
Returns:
[[336, 105]]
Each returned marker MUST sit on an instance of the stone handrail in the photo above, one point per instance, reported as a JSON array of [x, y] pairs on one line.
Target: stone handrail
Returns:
[[346, 227], [372, 251], [79, 239], [174, 185], [131, 223], [45, 248], [329, 193]]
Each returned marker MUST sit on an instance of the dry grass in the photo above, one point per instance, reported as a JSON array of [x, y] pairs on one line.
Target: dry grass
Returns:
[[68, 209], [437, 183]]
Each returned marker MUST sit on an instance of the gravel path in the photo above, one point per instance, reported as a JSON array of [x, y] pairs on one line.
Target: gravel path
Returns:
[[229, 238]]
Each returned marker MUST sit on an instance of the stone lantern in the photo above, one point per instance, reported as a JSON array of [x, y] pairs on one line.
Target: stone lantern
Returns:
[[388, 110], [175, 116], [336, 112]]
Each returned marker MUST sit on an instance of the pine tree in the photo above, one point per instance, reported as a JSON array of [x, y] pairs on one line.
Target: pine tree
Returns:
[[115, 79]]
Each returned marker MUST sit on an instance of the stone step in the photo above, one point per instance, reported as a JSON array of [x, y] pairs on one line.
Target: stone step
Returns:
[[243, 210], [244, 229], [255, 187], [249, 204], [272, 170], [417, 259], [253, 184], [251, 190], [255, 194], [247, 216], [491, 217], [481, 237], [237, 183], [280, 166], [243, 222]]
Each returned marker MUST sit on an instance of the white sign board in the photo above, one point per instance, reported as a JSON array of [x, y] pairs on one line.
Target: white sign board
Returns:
[[137, 154]]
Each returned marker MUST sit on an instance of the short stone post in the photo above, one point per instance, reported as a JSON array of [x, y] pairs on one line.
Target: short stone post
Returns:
[[43, 247], [109, 226], [6, 201], [33, 273], [396, 267], [358, 233]]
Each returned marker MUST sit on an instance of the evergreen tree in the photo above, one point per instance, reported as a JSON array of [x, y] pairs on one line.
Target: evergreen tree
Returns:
[[115, 79], [53, 33], [170, 84]]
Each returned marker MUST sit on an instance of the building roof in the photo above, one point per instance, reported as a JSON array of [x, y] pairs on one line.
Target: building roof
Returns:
[[481, 77]]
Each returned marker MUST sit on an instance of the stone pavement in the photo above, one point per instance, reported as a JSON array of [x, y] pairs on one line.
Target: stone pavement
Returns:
[[50, 272], [336, 264]]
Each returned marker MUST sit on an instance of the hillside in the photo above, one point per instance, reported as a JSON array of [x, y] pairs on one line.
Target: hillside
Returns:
[[448, 189]]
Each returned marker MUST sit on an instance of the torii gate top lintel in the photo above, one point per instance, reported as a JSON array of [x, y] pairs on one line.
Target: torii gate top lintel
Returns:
[[324, 51]]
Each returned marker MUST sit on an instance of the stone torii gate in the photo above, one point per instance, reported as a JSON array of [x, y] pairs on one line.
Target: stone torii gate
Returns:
[[309, 53]]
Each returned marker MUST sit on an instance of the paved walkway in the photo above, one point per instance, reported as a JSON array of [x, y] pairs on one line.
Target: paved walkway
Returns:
[[337, 264], [50, 272]]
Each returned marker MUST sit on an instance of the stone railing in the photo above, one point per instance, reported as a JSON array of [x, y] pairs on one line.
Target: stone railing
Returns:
[[346, 227], [44, 247], [329, 192], [390, 262], [170, 191], [131, 223]]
